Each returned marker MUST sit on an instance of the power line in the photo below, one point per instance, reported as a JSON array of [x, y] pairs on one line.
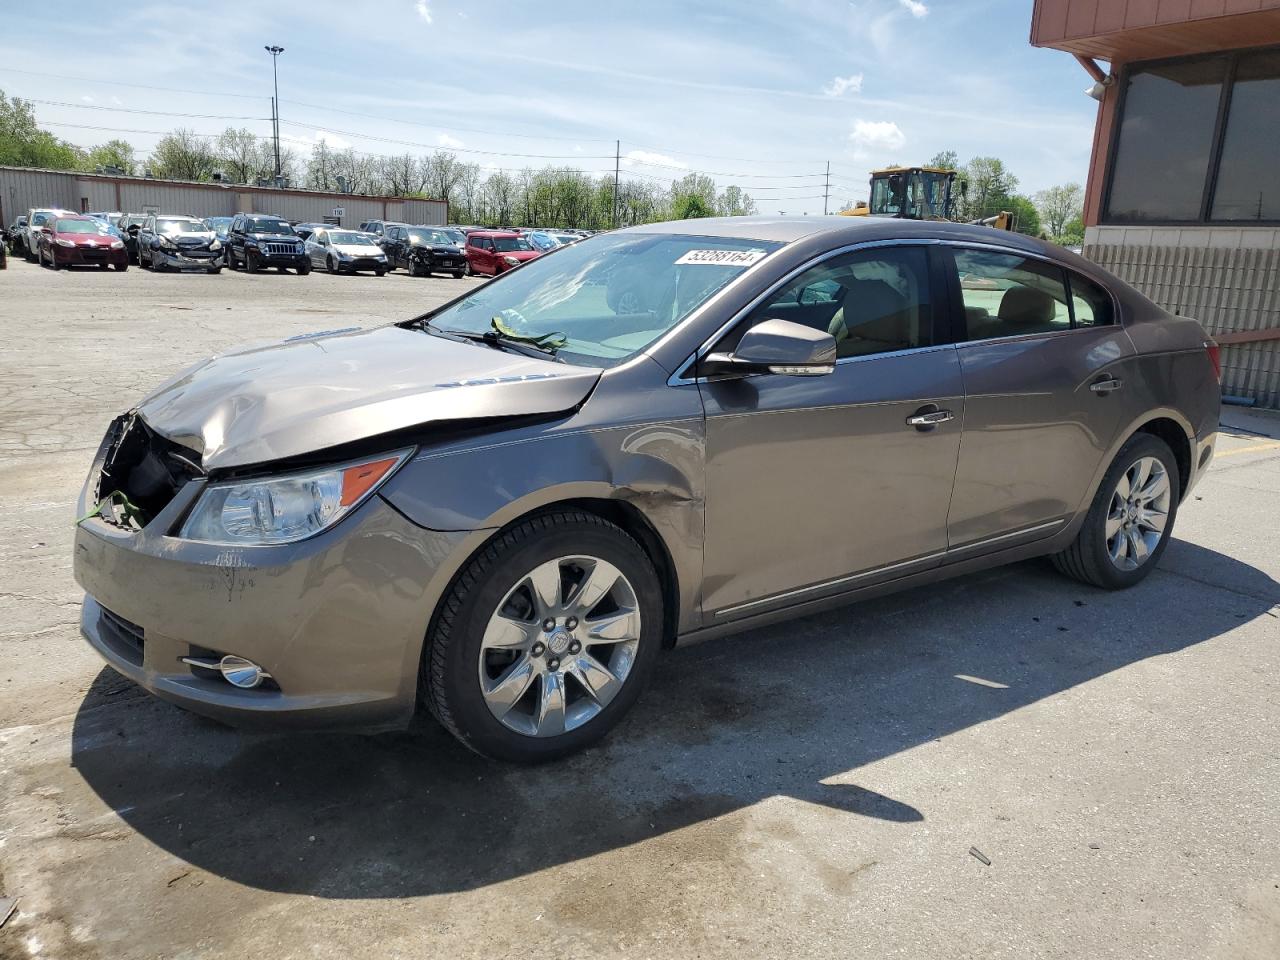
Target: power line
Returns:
[[150, 113], [436, 146], [121, 83]]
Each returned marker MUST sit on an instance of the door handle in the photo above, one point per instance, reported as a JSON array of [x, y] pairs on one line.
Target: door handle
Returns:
[[930, 419], [1106, 385]]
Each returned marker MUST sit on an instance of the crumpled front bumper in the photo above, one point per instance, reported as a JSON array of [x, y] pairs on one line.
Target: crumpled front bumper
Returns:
[[186, 260], [337, 620]]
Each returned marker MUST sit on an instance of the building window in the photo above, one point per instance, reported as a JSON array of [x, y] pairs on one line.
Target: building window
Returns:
[[1196, 141], [1165, 139], [1248, 183]]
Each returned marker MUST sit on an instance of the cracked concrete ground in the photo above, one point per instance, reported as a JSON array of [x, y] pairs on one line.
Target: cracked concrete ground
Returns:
[[811, 789]]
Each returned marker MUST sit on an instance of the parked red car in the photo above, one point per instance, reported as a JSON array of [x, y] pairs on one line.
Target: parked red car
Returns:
[[492, 252], [80, 241]]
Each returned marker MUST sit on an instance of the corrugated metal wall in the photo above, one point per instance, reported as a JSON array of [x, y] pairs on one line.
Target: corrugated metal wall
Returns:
[[1227, 290], [22, 189]]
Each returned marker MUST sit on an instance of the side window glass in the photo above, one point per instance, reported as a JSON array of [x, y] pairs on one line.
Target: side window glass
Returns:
[[873, 301], [1089, 302], [1006, 295]]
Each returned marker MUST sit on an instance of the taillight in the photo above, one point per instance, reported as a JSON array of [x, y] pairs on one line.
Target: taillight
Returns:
[[1215, 357]]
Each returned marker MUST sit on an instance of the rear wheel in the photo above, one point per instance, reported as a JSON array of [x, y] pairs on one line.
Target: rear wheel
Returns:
[[122, 267], [1129, 522], [545, 639]]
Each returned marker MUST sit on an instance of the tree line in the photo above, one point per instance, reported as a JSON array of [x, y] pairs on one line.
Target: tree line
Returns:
[[552, 196]]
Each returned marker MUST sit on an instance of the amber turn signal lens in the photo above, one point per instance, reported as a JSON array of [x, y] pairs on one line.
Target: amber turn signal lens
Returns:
[[356, 481]]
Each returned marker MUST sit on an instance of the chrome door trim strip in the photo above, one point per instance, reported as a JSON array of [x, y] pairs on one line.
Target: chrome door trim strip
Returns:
[[828, 583], [987, 541], [853, 578]]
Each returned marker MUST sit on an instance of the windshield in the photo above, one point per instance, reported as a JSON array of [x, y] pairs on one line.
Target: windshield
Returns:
[[268, 226], [610, 296], [509, 244], [180, 225], [79, 226], [350, 236], [430, 236], [40, 219]]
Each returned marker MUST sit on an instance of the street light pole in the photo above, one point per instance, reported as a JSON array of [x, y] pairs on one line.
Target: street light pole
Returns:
[[275, 52]]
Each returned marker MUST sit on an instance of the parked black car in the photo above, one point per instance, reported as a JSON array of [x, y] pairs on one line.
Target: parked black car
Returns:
[[255, 241], [423, 250], [129, 225], [178, 243], [13, 237]]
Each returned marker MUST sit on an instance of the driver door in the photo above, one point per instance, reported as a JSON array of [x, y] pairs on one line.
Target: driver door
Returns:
[[819, 484]]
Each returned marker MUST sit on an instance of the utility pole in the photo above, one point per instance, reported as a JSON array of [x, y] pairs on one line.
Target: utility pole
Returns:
[[617, 167], [275, 52], [826, 192]]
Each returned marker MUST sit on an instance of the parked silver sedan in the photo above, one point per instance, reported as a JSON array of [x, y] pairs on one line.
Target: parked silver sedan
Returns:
[[345, 251], [504, 510]]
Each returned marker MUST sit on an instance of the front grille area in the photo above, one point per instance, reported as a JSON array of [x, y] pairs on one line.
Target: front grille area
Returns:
[[125, 637], [141, 473], [281, 249]]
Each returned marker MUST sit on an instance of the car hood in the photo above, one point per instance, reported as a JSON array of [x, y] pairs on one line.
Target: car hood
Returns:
[[521, 254], [273, 237], [445, 248], [358, 249], [309, 393], [88, 239]]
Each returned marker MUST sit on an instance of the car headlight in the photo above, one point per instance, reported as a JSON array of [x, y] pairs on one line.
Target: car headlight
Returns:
[[286, 508], [117, 244], [216, 245], [251, 244], [166, 242], [511, 261], [381, 256], [64, 243]]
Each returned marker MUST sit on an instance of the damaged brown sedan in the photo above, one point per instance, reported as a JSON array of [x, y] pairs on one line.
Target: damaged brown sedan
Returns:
[[504, 510]]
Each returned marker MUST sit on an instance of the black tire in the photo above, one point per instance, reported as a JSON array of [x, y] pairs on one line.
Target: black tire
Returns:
[[448, 684], [28, 255], [329, 265], [380, 271], [415, 269], [215, 270], [304, 269], [457, 274], [467, 270], [104, 266], [1086, 559], [250, 262], [122, 267]]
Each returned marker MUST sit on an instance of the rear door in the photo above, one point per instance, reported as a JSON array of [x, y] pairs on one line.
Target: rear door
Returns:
[[1043, 393], [819, 484]]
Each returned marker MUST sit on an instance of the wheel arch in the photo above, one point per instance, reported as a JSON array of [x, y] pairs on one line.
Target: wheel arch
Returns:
[[1179, 441]]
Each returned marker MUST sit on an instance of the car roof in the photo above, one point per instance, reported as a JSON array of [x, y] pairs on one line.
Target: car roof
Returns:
[[838, 230], [494, 233]]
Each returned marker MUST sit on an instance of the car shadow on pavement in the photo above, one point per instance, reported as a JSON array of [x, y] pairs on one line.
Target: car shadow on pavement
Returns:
[[792, 710]]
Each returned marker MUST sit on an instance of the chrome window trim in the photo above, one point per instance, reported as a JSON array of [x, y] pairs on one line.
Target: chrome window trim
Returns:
[[681, 376]]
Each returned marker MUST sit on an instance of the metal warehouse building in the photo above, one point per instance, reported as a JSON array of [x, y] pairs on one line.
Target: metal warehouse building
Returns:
[[22, 188], [1183, 198]]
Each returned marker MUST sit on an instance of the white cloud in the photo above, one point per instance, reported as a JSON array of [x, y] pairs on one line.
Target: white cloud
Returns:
[[915, 8], [453, 143], [875, 135], [331, 140], [648, 158], [424, 11], [117, 101], [87, 99], [839, 86]]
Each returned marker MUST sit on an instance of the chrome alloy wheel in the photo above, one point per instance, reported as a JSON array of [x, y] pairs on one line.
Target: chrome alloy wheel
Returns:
[[559, 646], [1138, 513]]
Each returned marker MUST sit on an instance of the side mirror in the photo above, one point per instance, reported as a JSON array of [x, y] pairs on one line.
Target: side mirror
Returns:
[[780, 347]]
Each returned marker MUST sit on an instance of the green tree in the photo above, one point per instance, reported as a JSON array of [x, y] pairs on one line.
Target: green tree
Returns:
[[113, 153], [734, 202], [991, 186], [1072, 233], [183, 155], [244, 157], [1059, 205], [1028, 219], [24, 144], [945, 159], [690, 206]]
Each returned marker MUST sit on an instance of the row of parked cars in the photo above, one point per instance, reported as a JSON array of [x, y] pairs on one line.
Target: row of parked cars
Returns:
[[255, 242]]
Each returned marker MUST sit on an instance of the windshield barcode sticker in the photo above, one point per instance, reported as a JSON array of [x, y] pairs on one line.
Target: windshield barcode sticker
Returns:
[[722, 258]]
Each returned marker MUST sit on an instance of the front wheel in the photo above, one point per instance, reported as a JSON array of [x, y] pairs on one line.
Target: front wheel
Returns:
[[304, 268], [122, 267], [1129, 522], [545, 639], [457, 274], [214, 270], [250, 262], [330, 265]]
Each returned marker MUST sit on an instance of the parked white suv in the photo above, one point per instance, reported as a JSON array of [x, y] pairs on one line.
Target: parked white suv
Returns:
[[37, 217]]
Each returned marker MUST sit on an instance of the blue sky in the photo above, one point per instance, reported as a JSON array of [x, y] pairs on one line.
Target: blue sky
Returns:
[[762, 94]]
